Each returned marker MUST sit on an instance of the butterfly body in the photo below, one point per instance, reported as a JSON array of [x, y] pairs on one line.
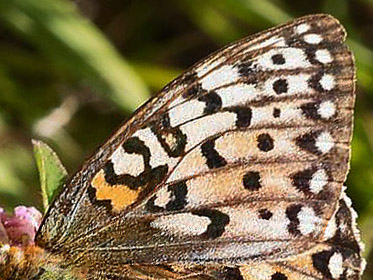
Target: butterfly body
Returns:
[[234, 170]]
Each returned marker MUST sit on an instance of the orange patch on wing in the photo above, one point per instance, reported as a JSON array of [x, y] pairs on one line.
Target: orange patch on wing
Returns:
[[120, 196]]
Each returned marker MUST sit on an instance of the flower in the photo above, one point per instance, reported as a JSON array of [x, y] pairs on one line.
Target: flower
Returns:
[[20, 228]]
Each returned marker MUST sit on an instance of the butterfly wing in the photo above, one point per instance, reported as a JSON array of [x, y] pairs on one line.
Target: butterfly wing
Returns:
[[242, 159], [338, 257]]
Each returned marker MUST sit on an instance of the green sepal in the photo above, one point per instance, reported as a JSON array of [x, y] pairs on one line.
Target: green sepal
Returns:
[[52, 173]]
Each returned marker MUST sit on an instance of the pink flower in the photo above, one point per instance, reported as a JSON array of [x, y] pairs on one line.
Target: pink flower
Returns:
[[20, 228]]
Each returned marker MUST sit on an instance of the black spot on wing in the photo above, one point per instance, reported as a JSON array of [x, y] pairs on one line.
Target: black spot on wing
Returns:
[[308, 142], [321, 261], [135, 146], [246, 68], [265, 142], [276, 112], [251, 181], [280, 86], [189, 80], [292, 214], [310, 110], [310, 52], [172, 140], [149, 177], [301, 180], [218, 222], [213, 159], [278, 59], [265, 214], [178, 193], [212, 100], [243, 114], [314, 82]]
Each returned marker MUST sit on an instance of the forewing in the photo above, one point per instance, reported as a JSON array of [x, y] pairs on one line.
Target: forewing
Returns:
[[240, 159]]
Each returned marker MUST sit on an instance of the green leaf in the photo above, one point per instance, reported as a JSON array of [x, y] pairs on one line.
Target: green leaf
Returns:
[[51, 171]]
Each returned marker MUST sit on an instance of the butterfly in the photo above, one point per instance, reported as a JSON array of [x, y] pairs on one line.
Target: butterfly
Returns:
[[235, 170]]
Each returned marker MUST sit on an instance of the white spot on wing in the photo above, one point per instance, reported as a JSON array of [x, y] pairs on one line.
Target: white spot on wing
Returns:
[[294, 58], [302, 28], [335, 265], [186, 111], [308, 221], [200, 129], [323, 56], [259, 114], [182, 224], [163, 197], [318, 181], [125, 163], [326, 109], [330, 229], [324, 142], [327, 82], [224, 75], [247, 223], [158, 155], [313, 39], [297, 84], [237, 94]]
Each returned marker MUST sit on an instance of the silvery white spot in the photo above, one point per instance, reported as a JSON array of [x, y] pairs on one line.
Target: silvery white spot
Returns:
[[186, 111], [323, 56], [324, 142], [294, 58], [313, 39], [163, 197], [200, 129], [260, 115], [318, 181], [331, 229], [158, 155], [182, 224], [224, 75], [177, 101], [326, 109], [289, 113], [335, 265], [237, 94], [243, 222], [308, 221], [297, 84], [125, 163], [327, 82], [302, 28]]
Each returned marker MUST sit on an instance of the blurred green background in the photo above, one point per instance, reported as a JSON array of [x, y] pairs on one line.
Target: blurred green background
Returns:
[[72, 71]]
